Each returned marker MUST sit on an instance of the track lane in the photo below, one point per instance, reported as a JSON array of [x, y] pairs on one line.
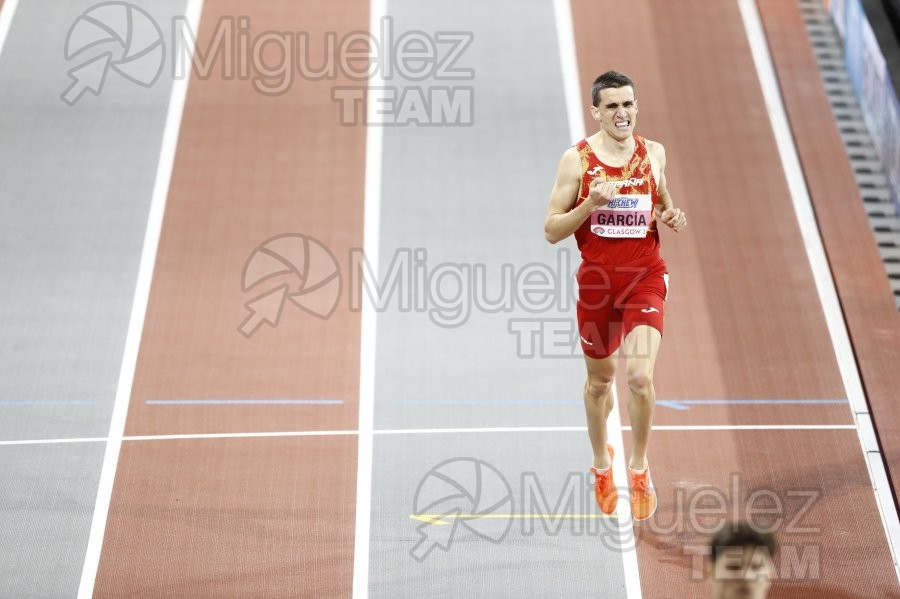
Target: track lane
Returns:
[[866, 298], [252, 513], [251, 167], [742, 291]]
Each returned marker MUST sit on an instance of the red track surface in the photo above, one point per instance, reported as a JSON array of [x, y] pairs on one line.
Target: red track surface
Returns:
[[273, 517], [744, 320], [865, 296], [234, 517]]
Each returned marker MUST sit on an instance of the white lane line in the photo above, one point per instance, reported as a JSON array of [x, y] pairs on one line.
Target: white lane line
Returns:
[[568, 62], [53, 441], [136, 322], [568, 57], [753, 427], [6, 17], [435, 431], [371, 236], [815, 252], [581, 429]]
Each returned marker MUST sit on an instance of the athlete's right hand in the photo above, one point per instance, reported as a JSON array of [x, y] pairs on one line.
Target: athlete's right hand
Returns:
[[600, 193]]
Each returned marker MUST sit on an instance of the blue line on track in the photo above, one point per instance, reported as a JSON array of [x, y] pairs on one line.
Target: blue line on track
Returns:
[[685, 404], [242, 402], [447, 402]]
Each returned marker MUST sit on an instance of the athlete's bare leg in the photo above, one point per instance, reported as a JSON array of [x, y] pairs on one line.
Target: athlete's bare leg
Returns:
[[641, 346], [598, 403]]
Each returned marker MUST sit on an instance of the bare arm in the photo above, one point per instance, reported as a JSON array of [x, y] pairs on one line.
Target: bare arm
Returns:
[[562, 219]]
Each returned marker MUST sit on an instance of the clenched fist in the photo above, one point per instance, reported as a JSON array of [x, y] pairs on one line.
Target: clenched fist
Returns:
[[600, 193], [674, 218]]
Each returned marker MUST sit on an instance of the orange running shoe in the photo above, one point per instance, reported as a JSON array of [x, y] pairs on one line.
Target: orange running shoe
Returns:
[[604, 488], [643, 495]]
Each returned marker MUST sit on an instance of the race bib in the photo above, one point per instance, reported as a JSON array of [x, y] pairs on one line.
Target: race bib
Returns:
[[624, 216]]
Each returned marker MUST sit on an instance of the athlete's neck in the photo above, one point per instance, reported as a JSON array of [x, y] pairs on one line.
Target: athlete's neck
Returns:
[[611, 150]]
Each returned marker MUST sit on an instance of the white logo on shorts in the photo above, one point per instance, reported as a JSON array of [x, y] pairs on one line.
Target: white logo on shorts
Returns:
[[649, 310], [586, 341]]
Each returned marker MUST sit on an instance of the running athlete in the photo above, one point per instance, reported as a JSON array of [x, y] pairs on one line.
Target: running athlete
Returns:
[[610, 191]]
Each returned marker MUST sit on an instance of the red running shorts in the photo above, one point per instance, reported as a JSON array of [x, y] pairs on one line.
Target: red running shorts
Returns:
[[614, 299]]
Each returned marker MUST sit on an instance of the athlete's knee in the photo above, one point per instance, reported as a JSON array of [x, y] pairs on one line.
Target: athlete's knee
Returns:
[[640, 381], [598, 386]]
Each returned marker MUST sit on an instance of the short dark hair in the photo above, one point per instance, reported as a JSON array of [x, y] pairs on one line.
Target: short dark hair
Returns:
[[741, 534], [607, 80]]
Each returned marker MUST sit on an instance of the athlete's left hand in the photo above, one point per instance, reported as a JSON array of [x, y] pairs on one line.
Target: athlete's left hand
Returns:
[[674, 218]]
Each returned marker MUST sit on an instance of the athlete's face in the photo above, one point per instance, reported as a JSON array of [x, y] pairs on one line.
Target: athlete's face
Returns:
[[616, 111], [742, 573]]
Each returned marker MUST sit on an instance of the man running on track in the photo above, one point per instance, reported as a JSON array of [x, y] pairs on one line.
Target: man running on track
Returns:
[[610, 191]]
